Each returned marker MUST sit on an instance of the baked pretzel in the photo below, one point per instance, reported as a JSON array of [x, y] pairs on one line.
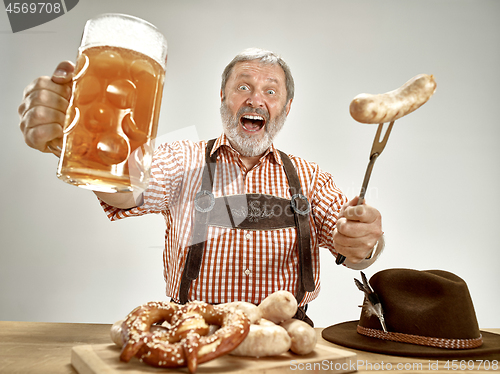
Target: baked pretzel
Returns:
[[186, 341]]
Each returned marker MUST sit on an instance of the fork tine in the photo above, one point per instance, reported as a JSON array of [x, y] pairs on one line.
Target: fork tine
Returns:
[[379, 145]]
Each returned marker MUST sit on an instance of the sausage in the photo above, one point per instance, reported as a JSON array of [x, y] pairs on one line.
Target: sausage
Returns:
[[116, 333], [250, 310], [264, 340], [388, 107], [303, 336], [279, 306]]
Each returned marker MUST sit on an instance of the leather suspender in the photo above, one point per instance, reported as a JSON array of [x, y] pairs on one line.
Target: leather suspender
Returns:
[[301, 209], [195, 254], [205, 202]]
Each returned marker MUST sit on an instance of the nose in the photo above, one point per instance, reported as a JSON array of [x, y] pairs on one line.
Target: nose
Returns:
[[255, 100]]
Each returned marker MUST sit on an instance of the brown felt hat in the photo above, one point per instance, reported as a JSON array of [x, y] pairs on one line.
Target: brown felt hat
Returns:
[[427, 314]]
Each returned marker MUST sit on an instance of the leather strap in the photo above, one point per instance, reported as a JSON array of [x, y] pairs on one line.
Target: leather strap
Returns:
[[200, 228], [206, 205], [301, 209], [302, 316]]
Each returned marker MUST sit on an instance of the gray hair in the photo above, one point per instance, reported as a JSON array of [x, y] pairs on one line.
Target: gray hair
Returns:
[[266, 57]]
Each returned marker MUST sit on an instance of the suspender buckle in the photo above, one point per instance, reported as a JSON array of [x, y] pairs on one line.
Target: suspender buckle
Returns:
[[200, 197], [296, 209]]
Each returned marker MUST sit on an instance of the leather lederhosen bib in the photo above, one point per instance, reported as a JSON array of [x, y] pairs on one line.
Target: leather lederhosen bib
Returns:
[[250, 212]]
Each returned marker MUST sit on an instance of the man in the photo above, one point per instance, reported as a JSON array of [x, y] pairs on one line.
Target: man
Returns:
[[236, 244]]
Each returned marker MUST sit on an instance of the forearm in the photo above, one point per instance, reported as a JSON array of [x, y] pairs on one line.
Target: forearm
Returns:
[[122, 200]]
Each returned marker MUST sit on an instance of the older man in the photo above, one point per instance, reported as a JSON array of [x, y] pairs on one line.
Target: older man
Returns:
[[249, 226]]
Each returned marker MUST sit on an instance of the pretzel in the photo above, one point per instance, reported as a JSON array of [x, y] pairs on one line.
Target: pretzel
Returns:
[[186, 341]]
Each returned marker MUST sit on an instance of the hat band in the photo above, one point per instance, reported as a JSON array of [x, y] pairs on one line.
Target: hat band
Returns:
[[422, 340]]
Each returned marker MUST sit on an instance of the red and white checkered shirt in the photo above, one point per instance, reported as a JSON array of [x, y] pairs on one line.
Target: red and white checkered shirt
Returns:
[[237, 264]]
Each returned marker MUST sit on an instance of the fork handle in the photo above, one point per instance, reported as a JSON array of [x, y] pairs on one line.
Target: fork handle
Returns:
[[368, 173], [341, 258]]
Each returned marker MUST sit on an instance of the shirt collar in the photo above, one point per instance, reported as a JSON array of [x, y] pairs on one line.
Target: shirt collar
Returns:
[[224, 141]]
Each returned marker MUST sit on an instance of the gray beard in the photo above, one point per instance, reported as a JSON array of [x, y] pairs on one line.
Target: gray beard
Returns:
[[245, 144]]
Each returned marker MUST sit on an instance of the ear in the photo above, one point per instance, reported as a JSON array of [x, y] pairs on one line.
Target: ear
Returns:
[[288, 106], [221, 96]]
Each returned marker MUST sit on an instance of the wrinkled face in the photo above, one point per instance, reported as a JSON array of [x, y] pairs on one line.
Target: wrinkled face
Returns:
[[254, 106]]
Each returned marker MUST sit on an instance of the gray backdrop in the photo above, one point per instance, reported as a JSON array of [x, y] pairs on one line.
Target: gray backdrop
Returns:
[[436, 183]]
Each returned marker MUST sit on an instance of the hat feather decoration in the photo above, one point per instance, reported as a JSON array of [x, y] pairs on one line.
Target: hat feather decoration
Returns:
[[372, 303]]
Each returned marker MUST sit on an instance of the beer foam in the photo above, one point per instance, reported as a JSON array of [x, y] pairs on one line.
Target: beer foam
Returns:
[[124, 31]]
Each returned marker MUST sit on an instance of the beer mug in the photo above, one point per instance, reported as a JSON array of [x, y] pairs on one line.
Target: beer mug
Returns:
[[112, 118]]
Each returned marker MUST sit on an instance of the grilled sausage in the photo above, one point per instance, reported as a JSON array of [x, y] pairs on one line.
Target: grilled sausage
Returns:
[[388, 107]]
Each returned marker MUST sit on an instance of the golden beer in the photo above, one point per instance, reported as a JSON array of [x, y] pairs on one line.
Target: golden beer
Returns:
[[112, 119]]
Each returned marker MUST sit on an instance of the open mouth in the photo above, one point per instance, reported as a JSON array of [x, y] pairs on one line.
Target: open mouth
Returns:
[[252, 123]]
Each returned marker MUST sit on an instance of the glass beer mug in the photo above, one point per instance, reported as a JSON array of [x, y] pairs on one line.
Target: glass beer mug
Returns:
[[112, 118]]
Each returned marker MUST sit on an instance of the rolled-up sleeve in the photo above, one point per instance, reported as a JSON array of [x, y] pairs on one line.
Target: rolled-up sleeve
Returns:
[[327, 201], [167, 171]]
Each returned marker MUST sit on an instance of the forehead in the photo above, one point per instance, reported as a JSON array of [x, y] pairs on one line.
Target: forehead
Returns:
[[256, 70]]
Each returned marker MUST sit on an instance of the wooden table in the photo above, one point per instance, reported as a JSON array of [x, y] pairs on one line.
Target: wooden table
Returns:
[[39, 347]]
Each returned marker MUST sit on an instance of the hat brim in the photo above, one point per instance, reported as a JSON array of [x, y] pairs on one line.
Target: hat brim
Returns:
[[345, 334]]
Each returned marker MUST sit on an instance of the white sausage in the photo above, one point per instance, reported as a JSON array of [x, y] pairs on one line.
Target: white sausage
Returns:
[[116, 333], [303, 336], [250, 310], [263, 341], [390, 106], [279, 306], [265, 322]]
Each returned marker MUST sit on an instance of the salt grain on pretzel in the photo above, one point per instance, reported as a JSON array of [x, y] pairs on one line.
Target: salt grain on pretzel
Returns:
[[185, 342]]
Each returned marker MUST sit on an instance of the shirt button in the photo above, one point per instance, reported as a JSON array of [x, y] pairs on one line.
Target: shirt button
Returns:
[[248, 236], [247, 272]]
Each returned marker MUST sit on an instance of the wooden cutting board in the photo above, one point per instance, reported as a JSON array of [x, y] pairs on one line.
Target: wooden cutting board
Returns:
[[104, 359]]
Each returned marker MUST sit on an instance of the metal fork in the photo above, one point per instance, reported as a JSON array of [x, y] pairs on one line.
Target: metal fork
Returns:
[[377, 148]]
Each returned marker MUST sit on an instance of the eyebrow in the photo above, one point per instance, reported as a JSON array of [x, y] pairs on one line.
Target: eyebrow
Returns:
[[246, 75]]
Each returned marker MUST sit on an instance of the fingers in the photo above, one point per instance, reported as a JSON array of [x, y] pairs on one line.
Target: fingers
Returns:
[[39, 137], [50, 97], [43, 109], [62, 89], [357, 230], [361, 213], [355, 249], [353, 229], [63, 73], [54, 91], [43, 120]]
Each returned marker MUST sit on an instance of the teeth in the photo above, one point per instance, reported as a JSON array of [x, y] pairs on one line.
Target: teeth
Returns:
[[254, 117]]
